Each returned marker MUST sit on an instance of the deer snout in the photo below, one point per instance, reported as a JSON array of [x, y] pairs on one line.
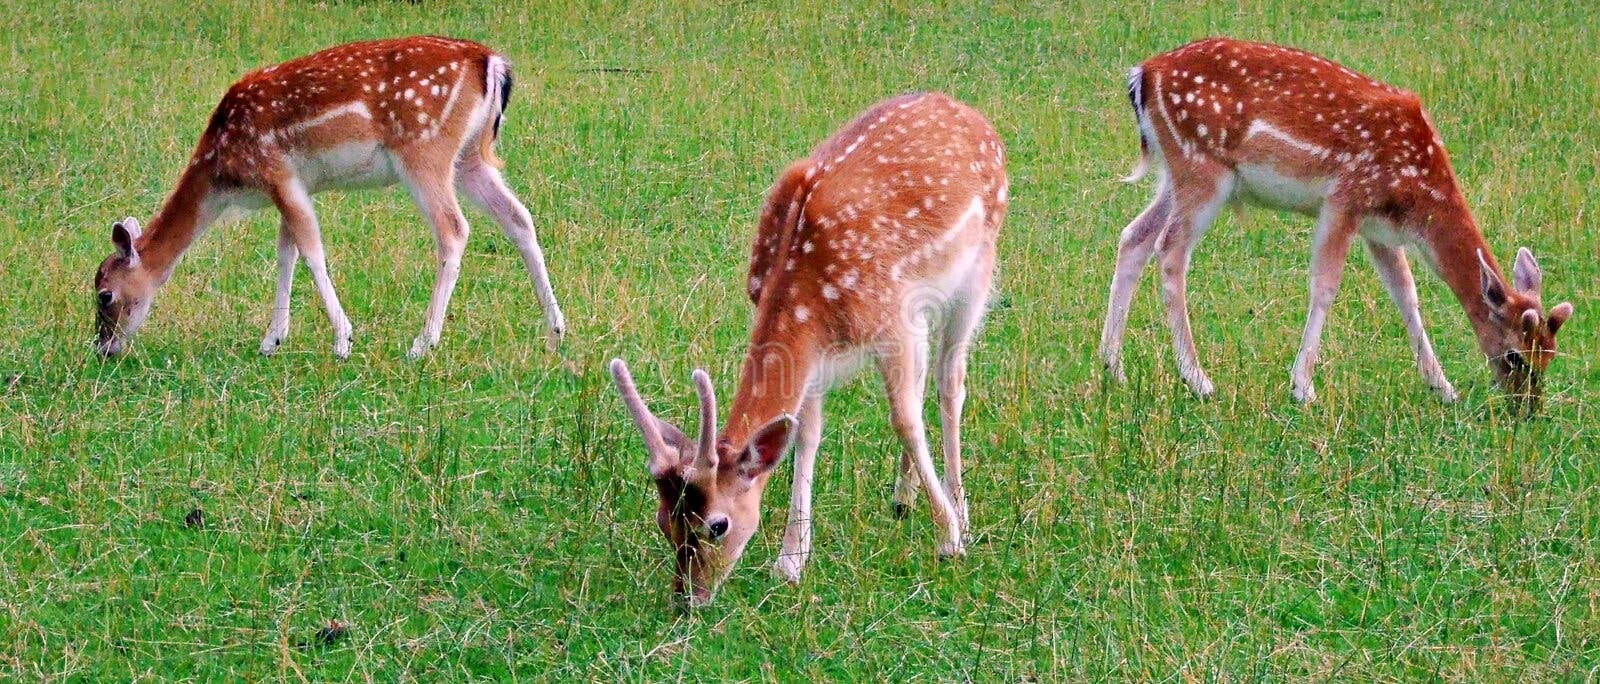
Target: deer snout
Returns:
[[109, 344]]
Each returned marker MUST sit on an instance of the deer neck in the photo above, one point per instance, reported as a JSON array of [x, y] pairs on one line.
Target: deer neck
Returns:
[[1452, 236], [183, 216], [783, 357]]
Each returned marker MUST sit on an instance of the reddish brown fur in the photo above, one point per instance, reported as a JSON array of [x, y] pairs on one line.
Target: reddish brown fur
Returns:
[[1258, 119], [423, 111], [890, 220], [880, 191], [244, 142]]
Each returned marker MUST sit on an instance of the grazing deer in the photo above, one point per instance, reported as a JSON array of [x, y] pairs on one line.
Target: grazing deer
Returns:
[[883, 237], [1224, 119], [422, 111]]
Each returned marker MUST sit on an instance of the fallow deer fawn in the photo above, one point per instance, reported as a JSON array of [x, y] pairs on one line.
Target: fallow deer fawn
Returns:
[[422, 111], [1224, 119], [883, 237]]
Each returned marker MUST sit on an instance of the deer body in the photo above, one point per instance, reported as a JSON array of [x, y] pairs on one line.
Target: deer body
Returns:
[[423, 112], [1229, 120], [876, 244]]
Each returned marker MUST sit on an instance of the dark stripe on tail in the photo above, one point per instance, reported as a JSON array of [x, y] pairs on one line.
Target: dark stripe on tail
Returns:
[[505, 98], [1136, 98]]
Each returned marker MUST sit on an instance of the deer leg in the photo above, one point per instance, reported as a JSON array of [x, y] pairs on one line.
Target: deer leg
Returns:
[[797, 535], [487, 189], [952, 377], [1395, 272], [300, 220], [904, 368], [436, 199], [1329, 247], [278, 328], [1134, 250], [1178, 241], [908, 480]]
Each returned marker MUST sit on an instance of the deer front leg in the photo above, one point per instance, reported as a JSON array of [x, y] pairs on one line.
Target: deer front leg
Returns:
[[294, 204], [797, 534], [278, 328], [1329, 246], [1395, 272]]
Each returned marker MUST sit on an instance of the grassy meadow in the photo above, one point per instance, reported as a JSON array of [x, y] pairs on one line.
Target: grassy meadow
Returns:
[[485, 513]]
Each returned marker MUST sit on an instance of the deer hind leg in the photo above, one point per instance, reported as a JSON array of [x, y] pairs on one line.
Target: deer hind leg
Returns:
[[1192, 216], [797, 535], [1329, 247], [908, 480], [487, 189], [904, 364], [434, 195], [1395, 272], [964, 318], [300, 222], [278, 328], [1134, 250]]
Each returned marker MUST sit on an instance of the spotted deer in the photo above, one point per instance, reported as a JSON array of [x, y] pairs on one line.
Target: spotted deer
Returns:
[[1229, 120], [423, 111], [880, 240]]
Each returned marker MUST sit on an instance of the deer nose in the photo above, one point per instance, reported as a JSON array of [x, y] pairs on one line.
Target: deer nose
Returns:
[[718, 527]]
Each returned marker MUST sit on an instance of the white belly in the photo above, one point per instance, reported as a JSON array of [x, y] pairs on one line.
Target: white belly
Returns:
[[348, 166], [1265, 186], [1383, 233]]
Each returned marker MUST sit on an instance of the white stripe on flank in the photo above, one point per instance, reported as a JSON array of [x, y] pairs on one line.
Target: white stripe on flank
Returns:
[[348, 109], [450, 103], [1161, 106], [972, 217], [351, 109], [1259, 126]]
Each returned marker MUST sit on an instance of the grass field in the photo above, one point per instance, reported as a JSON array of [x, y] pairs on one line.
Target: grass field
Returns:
[[485, 513]]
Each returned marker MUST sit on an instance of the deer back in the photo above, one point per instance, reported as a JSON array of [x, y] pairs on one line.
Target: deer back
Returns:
[[898, 200], [395, 93], [1240, 103]]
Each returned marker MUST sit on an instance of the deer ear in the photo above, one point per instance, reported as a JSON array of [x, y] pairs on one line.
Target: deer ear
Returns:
[[1494, 289], [123, 233], [1525, 274], [1558, 315], [767, 447]]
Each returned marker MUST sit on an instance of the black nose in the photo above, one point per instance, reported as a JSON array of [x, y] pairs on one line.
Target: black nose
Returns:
[[718, 528]]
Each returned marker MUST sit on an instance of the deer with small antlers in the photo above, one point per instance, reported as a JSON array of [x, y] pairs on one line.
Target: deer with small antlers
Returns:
[[421, 111], [881, 239], [1229, 120]]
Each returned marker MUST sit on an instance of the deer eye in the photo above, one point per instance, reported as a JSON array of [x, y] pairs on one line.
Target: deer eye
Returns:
[[105, 297], [1514, 358], [718, 527]]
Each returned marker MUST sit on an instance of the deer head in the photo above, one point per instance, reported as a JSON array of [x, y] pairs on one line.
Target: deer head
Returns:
[[123, 288], [1521, 339], [710, 489]]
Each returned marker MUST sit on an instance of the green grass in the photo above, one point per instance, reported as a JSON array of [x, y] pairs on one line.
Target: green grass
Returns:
[[486, 512]]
